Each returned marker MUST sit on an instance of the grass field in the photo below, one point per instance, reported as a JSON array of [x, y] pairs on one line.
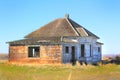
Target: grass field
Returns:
[[62, 72], [3, 56]]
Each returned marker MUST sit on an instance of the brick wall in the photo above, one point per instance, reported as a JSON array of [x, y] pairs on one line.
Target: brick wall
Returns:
[[49, 54], [17, 52]]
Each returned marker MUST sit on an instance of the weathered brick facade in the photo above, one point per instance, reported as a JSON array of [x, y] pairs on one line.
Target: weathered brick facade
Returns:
[[17, 53], [49, 54]]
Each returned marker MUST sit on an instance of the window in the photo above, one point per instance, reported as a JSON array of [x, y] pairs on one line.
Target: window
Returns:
[[66, 49], [90, 50], [82, 50], [33, 52], [99, 50]]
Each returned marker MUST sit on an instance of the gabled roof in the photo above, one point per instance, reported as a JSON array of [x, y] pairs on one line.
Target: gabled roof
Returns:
[[81, 30], [61, 27]]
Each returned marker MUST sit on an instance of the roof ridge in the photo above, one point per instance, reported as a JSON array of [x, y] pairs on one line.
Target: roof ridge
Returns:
[[72, 26]]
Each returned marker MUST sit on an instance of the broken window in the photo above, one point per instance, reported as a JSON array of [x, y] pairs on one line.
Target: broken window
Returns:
[[33, 52], [66, 49], [82, 50]]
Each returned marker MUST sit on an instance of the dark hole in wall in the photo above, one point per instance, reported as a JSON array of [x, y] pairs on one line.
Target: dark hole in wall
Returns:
[[34, 52]]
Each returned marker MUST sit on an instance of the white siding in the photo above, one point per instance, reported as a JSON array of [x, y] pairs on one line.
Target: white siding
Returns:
[[67, 56], [87, 41]]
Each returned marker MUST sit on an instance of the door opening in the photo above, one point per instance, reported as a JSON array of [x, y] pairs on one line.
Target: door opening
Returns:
[[73, 55]]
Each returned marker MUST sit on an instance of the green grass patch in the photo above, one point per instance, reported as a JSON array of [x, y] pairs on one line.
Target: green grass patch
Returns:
[[64, 72]]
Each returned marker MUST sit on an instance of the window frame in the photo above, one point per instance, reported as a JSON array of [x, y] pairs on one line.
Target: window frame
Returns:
[[33, 52], [66, 49], [90, 50], [82, 50], [99, 49]]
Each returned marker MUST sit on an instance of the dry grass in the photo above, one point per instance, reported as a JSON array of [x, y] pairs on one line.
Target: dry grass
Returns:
[[3, 56], [59, 72]]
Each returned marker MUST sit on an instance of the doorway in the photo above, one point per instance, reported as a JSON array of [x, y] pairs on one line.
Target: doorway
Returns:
[[73, 54]]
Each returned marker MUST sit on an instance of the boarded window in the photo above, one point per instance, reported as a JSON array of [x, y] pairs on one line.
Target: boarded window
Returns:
[[99, 49], [82, 50], [33, 52], [66, 49]]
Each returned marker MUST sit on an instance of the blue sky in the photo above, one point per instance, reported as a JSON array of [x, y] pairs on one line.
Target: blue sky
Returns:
[[20, 17]]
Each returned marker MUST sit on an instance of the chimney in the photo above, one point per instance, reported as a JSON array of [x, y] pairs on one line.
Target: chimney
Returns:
[[66, 15]]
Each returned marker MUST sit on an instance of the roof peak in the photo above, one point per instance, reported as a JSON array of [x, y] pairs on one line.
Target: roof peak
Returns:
[[66, 15], [60, 27]]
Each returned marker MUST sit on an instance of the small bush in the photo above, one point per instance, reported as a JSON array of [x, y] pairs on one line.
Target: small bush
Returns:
[[117, 57]]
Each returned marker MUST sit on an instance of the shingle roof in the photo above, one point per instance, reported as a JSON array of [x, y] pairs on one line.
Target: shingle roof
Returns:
[[41, 40], [34, 41], [61, 27], [81, 30], [56, 28], [54, 31]]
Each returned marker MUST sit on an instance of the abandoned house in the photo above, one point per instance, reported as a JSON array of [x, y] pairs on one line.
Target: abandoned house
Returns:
[[60, 41]]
